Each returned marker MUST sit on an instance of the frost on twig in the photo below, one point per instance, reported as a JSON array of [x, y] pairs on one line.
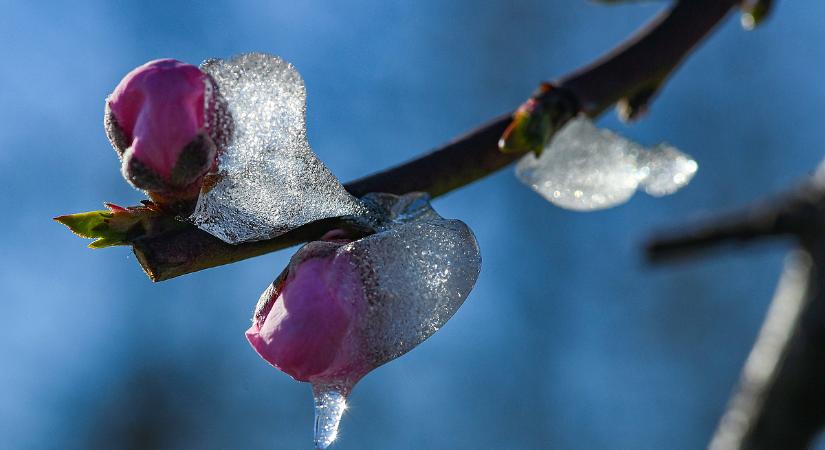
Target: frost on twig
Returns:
[[585, 168]]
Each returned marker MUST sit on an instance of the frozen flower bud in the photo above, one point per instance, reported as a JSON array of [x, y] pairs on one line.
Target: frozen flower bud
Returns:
[[305, 322], [344, 307], [160, 120]]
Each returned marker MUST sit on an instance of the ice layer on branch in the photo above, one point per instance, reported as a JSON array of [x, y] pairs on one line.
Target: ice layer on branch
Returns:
[[585, 168], [268, 180]]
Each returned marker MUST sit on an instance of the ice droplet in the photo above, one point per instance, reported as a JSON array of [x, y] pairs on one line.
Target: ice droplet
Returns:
[[417, 270], [330, 404], [268, 179], [585, 168]]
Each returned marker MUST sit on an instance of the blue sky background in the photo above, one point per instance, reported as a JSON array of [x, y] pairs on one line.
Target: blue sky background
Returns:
[[569, 340]]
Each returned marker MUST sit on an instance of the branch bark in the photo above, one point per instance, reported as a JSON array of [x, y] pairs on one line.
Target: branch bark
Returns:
[[780, 402], [795, 213], [647, 57]]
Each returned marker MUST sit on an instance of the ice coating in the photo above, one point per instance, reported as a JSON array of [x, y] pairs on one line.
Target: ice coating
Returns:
[[416, 272], [666, 169], [585, 168], [343, 308], [268, 179]]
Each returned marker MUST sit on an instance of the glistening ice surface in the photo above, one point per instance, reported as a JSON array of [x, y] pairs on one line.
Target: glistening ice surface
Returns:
[[330, 404], [268, 181], [417, 270], [585, 168]]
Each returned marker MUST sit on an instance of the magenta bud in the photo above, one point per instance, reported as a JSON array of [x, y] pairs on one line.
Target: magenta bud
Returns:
[[158, 120], [305, 323], [344, 307]]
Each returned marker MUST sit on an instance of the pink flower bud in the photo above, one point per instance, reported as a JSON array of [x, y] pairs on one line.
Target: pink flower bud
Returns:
[[157, 121], [344, 307], [305, 323]]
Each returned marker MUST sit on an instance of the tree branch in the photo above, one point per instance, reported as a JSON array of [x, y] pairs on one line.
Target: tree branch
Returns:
[[780, 402], [796, 213], [647, 57]]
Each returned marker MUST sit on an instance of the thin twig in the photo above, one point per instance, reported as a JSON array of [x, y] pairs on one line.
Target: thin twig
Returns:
[[796, 213], [780, 402], [649, 55]]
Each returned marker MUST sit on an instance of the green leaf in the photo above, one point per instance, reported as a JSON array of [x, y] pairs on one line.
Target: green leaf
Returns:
[[113, 226], [754, 12], [84, 224], [528, 132], [537, 120], [107, 242]]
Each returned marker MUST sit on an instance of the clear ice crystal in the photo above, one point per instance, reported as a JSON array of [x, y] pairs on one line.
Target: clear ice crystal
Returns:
[[268, 179], [417, 270], [585, 168], [330, 404]]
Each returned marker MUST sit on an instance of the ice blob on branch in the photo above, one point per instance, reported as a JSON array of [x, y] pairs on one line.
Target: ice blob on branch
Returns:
[[268, 180], [342, 308], [585, 168]]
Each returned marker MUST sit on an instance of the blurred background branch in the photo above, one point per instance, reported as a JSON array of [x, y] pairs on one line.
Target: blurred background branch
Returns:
[[644, 60], [794, 213], [780, 402]]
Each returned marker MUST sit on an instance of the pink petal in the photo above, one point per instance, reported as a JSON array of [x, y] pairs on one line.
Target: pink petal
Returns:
[[309, 330], [160, 108]]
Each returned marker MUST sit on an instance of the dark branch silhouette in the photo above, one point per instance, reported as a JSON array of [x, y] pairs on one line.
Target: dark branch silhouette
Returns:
[[795, 213], [780, 401], [646, 58]]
